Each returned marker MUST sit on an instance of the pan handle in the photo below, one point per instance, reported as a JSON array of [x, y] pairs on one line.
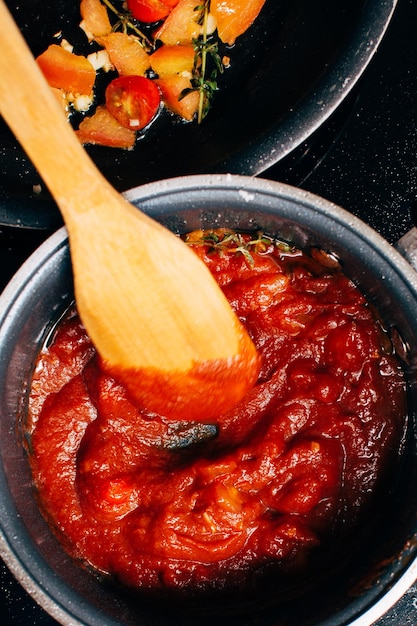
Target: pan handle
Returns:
[[407, 246]]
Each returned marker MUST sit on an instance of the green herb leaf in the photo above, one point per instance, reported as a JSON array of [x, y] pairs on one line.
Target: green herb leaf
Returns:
[[204, 78], [231, 242]]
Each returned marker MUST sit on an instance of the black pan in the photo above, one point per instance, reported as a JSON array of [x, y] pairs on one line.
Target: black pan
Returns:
[[289, 72]]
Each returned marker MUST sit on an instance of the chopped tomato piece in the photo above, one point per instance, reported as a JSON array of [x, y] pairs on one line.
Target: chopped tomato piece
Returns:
[[96, 21], [181, 25], [169, 60], [233, 17], [133, 101], [103, 129], [149, 11], [125, 53], [172, 87], [65, 70]]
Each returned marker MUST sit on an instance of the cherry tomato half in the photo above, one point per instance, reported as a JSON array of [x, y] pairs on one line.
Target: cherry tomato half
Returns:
[[149, 11], [133, 101]]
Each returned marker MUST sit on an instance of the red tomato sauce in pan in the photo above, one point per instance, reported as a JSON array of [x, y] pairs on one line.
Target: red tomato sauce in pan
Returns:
[[158, 503]]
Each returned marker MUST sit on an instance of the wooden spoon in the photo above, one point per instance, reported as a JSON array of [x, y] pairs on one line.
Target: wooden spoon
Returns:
[[150, 306]]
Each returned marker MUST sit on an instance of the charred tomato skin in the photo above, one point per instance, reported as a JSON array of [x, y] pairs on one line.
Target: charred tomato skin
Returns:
[[133, 101]]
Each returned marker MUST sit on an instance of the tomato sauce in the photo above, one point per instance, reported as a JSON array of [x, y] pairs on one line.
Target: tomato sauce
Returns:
[[160, 503]]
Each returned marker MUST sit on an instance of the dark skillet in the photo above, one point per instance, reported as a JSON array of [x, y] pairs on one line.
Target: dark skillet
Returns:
[[289, 72]]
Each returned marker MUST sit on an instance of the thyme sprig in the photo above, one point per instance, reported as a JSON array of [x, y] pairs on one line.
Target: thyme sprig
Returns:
[[231, 242], [206, 47], [126, 23], [204, 75], [205, 84]]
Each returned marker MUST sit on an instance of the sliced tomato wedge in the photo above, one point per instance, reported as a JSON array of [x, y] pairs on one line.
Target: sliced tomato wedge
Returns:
[[64, 70], [103, 129], [133, 101], [149, 11]]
